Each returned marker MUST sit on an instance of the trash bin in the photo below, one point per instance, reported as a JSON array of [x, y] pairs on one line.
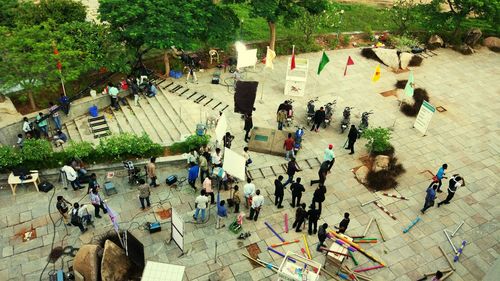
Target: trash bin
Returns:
[[94, 111], [201, 129]]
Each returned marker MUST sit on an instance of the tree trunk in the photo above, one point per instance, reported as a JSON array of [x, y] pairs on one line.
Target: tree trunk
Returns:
[[32, 100], [272, 34], [166, 60]]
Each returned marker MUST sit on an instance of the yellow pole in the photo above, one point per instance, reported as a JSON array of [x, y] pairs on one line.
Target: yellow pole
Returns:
[[307, 246]]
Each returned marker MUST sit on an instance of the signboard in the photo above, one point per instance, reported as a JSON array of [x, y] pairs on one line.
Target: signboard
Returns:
[[424, 117], [295, 84]]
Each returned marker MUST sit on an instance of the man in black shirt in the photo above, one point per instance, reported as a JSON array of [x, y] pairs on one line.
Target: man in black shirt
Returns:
[[278, 192], [344, 223], [313, 216], [291, 169], [319, 196], [319, 118], [323, 170], [321, 236], [300, 217], [297, 190], [63, 208]]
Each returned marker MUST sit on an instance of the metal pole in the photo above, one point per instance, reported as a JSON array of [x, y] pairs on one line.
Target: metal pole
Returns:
[[215, 257], [371, 201], [454, 232], [451, 243]]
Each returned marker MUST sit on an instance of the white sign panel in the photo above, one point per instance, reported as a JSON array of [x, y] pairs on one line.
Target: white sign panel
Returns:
[[246, 58], [234, 164], [424, 117]]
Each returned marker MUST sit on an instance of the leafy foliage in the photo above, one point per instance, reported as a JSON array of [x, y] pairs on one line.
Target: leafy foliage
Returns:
[[36, 151], [191, 142], [9, 157], [310, 23], [403, 43], [118, 146], [378, 139], [402, 13], [59, 11]]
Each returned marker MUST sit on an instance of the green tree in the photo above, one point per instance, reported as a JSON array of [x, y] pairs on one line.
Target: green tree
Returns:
[[8, 11], [309, 23], [403, 14], [60, 11], [152, 24], [378, 139]]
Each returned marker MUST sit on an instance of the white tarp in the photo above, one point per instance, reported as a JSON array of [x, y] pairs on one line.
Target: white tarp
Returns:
[[234, 164], [221, 128], [246, 58]]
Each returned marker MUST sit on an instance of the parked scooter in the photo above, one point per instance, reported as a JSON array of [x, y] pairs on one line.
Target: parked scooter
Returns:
[[310, 110], [364, 122], [329, 108], [346, 119], [299, 133]]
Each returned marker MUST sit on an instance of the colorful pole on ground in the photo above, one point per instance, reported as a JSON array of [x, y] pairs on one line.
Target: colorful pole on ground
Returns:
[[446, 276], [395, 196], [342, 243], [259, 263], [447, 259], [380, 230], [286, 223], [343, 276], [285, 243], [371, 201], [413, 223], [307, 246], [352, 257], [365, 241], [368, 268], [273, 231], [460, 225], [449, 240], [343, 238], [367, 238], [268, 264], [384, 209], [460, 251], [333, 252], [367, 227], [279, 253]]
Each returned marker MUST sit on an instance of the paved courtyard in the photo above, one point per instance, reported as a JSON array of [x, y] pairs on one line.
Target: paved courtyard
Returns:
[[466, 136]]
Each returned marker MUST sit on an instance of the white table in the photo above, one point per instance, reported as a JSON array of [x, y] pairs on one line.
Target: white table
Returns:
[[15, 180]]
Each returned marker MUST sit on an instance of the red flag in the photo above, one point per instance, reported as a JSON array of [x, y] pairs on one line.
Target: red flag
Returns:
[[56, 52], [349, 62], [292, 65]]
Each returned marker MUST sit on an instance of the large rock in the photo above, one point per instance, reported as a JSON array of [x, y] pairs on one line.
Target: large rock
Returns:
[[361, 174], [493, 43], [473, 37], [405, 59], [388, 56], [381, 163], [115, 264], [464, 49], [435, 42], [86, 262]]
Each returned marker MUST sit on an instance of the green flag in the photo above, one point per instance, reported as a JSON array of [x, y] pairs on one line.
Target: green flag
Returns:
[[323, 62], [409, 85]]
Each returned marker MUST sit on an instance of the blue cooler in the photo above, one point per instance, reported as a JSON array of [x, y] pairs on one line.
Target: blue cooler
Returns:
[[94, 111]]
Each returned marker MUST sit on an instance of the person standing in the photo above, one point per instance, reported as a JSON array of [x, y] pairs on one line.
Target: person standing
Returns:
[[456, 181], [297, 188], [248, 191], [203, 167], [151, 171], [344, 223], [236, 199], [246, 155], [62, 207], [248, 126], [193, 174], [55, 115], [20, 141], [65, 103], [72, 177], [288, 145], [322, 236], [97, 202], [430, 197], [291, 169], [278, 192], [207, 185], [221, 213], [257, 202], [319, 196], [227, 139], [281, 118], [201, 203], [440, 176], [330, 156], [144, 193], [42, 124], [318, 119], [217, 158], [27, 128], [300, 217], [323, 170], [113, 94], [313, 216], [351, 138], [79, 216]]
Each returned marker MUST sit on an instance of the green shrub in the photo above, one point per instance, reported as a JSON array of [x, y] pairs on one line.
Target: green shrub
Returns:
[[378, 139], [9, 157], [403, 43], [346, 39], [36, 153], [80, 150], [191, 142], [122, 146]]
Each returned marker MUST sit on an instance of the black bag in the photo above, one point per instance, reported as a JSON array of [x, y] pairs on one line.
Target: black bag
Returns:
[[45, 186], [171, 180], [75, 218]]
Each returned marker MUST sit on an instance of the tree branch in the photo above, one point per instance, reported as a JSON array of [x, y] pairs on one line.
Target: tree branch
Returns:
[[451, 6]]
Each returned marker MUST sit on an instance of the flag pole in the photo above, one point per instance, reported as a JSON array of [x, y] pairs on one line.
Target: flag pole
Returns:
[[62, 83]]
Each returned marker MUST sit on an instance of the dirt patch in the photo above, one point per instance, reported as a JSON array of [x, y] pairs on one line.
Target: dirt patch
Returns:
[[165, 213], [254, 251], [389, 93]]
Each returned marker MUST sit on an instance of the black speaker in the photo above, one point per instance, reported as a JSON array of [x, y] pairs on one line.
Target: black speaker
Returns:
[[45, 186]]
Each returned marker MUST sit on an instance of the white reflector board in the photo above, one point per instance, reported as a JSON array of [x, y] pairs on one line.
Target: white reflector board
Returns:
[[234, 164], [247, 58]]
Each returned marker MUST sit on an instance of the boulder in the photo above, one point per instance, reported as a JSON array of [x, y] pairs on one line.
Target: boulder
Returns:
[[493, 43], [435, 42], [473, 36], [381, 162], [115, 264], [388, 56], [464, 49], [86, 262], [361, 174], [405, 59]]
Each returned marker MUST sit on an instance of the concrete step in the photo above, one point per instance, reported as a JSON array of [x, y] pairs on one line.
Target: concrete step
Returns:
[[112, 123], [169, 124], [145, 123], [174, 113], [121, 121], [72, 131], [132, 120], [155, 120], [83, 128]]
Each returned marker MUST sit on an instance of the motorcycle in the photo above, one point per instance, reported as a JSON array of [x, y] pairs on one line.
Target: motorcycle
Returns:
[[346, 120], [364, 122], [310, 110], [329, 108], [299, 133]]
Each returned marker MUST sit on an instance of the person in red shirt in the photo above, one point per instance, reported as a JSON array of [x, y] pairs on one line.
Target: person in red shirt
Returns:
[[288, 145]]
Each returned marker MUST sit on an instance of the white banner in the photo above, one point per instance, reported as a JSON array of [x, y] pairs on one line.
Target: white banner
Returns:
[[221, 128], [246, 58], [424, 117], [234, 164]]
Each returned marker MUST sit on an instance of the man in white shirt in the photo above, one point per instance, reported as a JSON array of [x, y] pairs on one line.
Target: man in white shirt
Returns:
[[217, 158], [257, 202], [455, 182], [248, 191], [27, 127], [113, 94], [72, 177], [80, 216], [201, 203]]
